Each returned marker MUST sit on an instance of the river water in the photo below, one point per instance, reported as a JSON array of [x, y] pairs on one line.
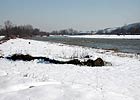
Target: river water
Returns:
[[122, 45]]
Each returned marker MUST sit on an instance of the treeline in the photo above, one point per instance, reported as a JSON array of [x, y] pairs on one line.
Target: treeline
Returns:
[[64, 32], [10, 30], [70, 31]]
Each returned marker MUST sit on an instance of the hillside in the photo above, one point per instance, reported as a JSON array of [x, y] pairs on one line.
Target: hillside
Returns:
[[131, 29]]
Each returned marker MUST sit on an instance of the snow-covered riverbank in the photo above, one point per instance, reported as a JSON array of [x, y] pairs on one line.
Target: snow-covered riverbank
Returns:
[[20, 80], [108, 36]]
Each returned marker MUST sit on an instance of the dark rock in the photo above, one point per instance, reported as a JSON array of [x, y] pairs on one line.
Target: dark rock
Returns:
[[21, 57], [90, 62], [31, 86], [55, 61], [25, 75], [74, 61], [87, 56], [1, 57], [98, 62]]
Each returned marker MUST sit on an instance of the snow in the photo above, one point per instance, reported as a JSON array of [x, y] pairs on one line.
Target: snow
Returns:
[[20, 80], [2, 73], [108, 36], [1, 37]]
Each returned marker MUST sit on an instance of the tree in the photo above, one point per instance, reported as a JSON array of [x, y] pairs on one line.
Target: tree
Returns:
[[8, 24], [63, 32], [72, 31], [55, 32], [28, 27]]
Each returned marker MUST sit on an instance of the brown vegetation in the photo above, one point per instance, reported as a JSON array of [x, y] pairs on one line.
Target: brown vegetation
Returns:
[[89, 62]]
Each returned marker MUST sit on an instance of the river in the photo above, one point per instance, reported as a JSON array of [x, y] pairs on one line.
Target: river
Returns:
[[122, 45]]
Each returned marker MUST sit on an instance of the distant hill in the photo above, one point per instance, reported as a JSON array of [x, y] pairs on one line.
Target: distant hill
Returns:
[[131, 29]]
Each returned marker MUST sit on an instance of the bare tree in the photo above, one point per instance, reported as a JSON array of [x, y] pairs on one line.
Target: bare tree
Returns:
[[8, 24], [29, 27], [0, 27]]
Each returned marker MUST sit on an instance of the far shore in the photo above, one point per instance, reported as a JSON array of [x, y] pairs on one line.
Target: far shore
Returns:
[[106, 36]]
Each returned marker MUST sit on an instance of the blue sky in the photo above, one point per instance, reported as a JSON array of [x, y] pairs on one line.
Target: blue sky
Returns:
[[82, 15]]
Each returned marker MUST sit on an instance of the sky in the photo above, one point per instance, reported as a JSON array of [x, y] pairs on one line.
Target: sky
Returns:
[[82, 15]]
